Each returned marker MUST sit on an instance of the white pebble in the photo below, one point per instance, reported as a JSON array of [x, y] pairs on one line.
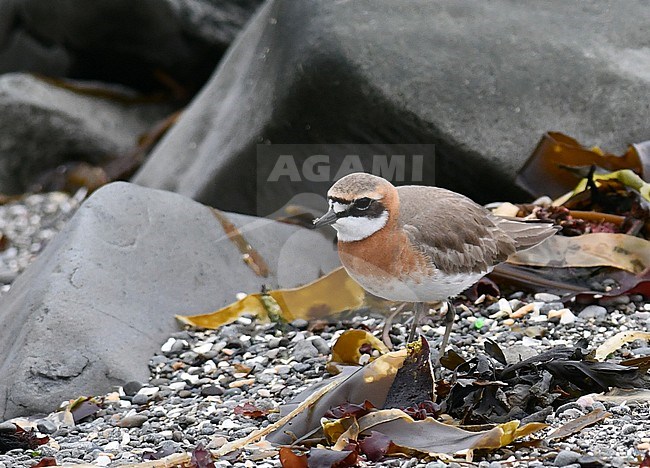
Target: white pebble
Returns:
[[103, 460], [229, 424], [167, 347], [203, 348], [504, 306], [112, 446], [567, 317], [191, 378], [177, 385], [209, 367], [149, 391]]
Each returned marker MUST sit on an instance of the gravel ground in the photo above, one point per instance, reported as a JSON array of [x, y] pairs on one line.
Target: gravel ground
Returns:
[[26, 227], [199, 377]]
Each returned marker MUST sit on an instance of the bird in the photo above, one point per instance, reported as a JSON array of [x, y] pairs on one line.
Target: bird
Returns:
[[420, 244]]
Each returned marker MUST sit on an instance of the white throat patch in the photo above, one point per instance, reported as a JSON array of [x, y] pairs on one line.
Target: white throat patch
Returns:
[[356, 228]]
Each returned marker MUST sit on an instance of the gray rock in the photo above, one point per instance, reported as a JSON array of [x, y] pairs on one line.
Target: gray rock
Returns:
[[131, 388], [300, 324], [642, 351], [546, 297], [517, 353], [140, 399], [46, 427], [549, 306], [183, 38], [589, 461], [112, 281], [7, 427], [43, 126], [321, 345], [7, 276], [211, 390], [566, 457], [264, 378], [593, 312], [629, 428], [572, 413], [303, 350], [498, 76], [135, 420]]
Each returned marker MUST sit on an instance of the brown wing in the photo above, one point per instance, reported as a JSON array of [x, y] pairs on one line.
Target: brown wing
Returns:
[[455, 233]]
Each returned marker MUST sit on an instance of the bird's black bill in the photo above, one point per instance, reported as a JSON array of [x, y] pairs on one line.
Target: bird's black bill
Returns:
[[325, 220]]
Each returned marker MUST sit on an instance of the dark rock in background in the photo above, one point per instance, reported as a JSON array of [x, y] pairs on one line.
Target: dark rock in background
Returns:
[[43, 126], [100, 300], [481, 81], [120, 41]]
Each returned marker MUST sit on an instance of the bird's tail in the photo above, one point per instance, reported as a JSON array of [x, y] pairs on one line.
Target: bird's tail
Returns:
[[527, 233]]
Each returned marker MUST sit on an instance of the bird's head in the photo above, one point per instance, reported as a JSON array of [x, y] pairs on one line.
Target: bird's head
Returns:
[[360, 205]]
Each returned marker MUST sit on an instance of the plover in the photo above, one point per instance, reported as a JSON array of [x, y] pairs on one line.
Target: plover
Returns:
[[420, 244]]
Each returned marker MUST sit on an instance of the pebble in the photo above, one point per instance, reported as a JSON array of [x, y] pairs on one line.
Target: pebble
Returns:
[[131, 388], [629, 428], [546, 297], [566, 457], [46, 427], [140, 399], [593, 312], [567, 317], [321, 345], [300, 324], [135, 420], [7, 427], [212, 390], [589, 461], [304, 350]]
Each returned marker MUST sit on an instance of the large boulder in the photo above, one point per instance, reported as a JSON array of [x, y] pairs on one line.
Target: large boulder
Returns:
[[101, 298], [480, 81], [120, 40], [43, 126]]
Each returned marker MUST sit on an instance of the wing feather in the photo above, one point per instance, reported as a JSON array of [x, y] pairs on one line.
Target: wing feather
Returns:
[[456, 234]]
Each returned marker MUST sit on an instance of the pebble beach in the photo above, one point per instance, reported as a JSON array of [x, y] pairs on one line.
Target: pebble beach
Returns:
[[199, 378]]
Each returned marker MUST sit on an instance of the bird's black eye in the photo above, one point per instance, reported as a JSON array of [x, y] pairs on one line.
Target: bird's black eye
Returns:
[[363, 203]]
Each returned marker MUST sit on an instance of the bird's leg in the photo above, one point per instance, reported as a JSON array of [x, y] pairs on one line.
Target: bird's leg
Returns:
[[449, 322], [418, 309]]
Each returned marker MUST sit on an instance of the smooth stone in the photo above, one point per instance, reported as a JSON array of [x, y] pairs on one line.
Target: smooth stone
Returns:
[[184, 39], [327, 79], [321, 345], [546, 297], [7, 427], [136, 420], [593, 312], [132, 387], [140, 399], [304, 350], [589, 461], [300, 324], [264, 378], [46, 427], [212, 390], [566, 457], [170, 252], [60, 126], [517, 353]]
